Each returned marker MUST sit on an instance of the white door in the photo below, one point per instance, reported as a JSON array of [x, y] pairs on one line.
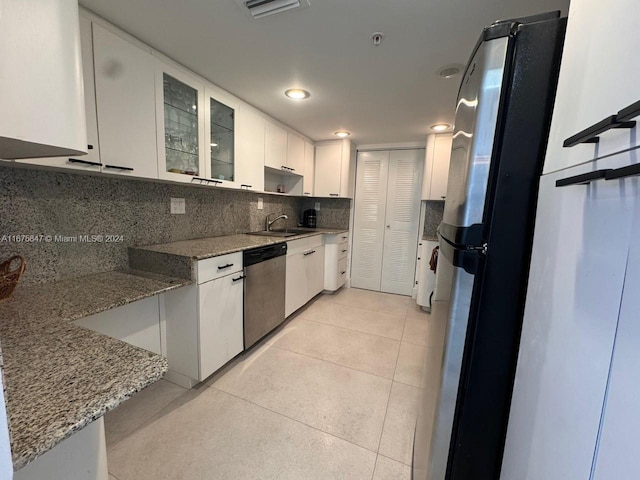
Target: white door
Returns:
[[125, 96], [296, 283], [387, 219], [402, 220], [368, 232], [328, 170], [250, 149], [275, 146], [617, 456], [315, 271], [309, 168], [580, 246], [221, 315]]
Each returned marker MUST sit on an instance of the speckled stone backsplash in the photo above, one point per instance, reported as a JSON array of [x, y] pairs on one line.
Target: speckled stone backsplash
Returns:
[[432, 217], [333, 213], [39, 205]]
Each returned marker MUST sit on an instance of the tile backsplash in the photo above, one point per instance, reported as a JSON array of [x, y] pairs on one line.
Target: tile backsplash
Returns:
[[434, 209], [68, 224]]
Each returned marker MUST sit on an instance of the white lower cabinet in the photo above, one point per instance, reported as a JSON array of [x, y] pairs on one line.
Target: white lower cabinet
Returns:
[[336, 260], [205, 322], [220, 304], [138, 323], [305, 271]]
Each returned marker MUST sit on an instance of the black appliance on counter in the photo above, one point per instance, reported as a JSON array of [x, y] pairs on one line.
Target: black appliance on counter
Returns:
[[309, 218]]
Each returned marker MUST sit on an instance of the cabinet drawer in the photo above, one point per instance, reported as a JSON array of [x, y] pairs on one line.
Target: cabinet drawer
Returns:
[[218, 266], [342, 272], [343, 250], [297, 246], [315, 241]]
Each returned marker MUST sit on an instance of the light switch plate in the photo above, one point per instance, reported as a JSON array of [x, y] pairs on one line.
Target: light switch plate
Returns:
[[260, 203], [317, 205], [178, 206]]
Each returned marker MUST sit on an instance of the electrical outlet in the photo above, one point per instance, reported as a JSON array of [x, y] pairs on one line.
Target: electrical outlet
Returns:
[[318, 206], [178, 206], [260, 203]]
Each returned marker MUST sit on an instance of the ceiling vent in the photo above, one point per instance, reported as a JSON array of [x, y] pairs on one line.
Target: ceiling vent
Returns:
[[262, 8]]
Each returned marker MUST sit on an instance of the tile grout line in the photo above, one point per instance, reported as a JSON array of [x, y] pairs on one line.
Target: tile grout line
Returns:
[[292, 419], [352, 329], [375, 465], [306, 319], [386, 411], [332, 363]]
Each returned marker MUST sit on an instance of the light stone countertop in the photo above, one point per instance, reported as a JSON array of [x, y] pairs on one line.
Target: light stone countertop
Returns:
[[202, 248], [58, 376], [177, 259]]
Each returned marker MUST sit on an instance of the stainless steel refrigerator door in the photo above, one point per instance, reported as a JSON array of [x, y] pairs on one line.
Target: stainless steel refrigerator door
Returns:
[[474, 133], [437, 406]]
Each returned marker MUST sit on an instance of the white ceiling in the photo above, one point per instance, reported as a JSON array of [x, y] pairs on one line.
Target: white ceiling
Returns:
[[386, 94]]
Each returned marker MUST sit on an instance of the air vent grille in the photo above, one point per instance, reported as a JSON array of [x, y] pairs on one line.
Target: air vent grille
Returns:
[[262, 8]]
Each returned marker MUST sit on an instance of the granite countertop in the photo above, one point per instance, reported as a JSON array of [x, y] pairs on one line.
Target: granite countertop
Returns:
[[177, 259], [431, 238], [202, 248], [58, 376]]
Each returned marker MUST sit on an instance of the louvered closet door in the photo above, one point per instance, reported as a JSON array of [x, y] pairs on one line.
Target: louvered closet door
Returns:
[[402, 221], [368, 232]]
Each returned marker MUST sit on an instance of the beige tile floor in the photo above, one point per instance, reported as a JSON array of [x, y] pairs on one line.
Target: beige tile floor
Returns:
[[330, 395]]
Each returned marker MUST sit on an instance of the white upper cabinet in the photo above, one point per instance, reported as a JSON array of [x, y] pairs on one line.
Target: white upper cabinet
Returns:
[[309, 168], [275, 146], [220, 137], [436, 174], [125, 98], [250, 128], [598, 77], [295, 154], [180, 117], [91, 161], [42, 101], [335, 169]]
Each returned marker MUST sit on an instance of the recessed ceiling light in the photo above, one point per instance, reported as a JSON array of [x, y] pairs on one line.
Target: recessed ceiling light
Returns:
[[342, 133], [297, 93], [450, 71], [440, 127]]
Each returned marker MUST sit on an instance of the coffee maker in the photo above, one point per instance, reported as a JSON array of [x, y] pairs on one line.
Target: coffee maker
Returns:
[[309, 218]]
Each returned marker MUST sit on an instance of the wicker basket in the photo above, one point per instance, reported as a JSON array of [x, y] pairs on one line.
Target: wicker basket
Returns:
[[9, 277]]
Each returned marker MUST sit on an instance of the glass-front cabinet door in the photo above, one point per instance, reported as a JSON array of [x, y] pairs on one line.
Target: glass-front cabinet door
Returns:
[[180, 119], [220, 131]]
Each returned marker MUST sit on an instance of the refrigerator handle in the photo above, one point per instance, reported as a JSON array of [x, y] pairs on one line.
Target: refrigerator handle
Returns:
[[591, 134], [584, 179]]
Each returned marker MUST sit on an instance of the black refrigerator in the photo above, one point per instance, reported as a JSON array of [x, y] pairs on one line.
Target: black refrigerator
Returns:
[[503, 113]]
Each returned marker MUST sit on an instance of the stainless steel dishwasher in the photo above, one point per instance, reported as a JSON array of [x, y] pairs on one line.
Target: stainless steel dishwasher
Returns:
[[264, 284]]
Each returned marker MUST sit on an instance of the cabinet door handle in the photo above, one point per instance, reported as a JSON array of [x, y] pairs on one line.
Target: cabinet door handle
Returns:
[[310, 253], [84, 162], [591, 134], [343, 251], [584, 179], [89, 147], [239, 278], [618, 173], [222, 267], [116, 167], [307, 193], [245, 185], [628, 113], [334, 194], [342, 273]]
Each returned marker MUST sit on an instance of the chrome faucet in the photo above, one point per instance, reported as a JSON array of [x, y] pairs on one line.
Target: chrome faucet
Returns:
[[267, 223]]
